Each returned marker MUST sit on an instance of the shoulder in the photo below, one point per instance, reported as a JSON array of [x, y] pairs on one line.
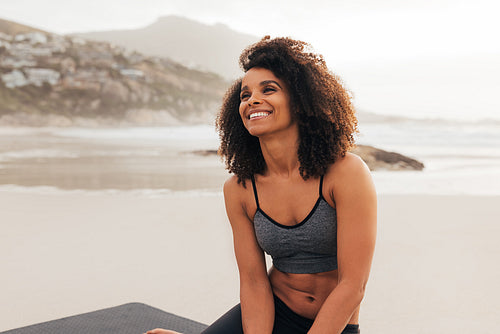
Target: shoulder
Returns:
[[348, 174], [237, 195], [234, 188], [350, 164]]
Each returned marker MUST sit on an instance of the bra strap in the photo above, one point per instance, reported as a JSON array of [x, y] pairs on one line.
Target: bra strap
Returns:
[[321, 186], [255, 192]]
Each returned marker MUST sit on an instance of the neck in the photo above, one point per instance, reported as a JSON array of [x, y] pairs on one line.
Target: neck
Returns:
[[280, 153]]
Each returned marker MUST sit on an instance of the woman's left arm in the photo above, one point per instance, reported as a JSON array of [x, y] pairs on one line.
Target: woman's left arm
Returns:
[[356, 206]]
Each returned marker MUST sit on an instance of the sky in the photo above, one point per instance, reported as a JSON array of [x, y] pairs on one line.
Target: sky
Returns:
[[353, 35], [352, 29]]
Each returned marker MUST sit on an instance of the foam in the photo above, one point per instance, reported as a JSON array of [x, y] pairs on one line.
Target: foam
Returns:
[[144, 193]]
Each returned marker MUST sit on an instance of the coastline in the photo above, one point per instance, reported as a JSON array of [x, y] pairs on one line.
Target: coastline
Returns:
[[70, 253]]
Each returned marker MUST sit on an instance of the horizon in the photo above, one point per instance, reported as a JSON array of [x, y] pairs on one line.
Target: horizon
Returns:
[[413, 59]]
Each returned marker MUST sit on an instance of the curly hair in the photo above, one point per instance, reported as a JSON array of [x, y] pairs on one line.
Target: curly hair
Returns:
[[320, 104]]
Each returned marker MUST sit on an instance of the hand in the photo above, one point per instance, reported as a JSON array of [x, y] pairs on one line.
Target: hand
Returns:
[[161, 331]]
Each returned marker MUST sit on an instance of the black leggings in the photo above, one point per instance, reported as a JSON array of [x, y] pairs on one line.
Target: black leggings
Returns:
[[285, 322]]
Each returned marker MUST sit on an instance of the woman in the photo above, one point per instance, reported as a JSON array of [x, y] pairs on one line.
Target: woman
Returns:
[[297, 194]]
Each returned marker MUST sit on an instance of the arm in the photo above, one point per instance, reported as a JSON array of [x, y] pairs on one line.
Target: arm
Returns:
[[257, 305], [356, 205]]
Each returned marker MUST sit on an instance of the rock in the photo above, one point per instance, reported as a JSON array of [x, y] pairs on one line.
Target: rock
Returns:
[[378, 159], [375, 158]]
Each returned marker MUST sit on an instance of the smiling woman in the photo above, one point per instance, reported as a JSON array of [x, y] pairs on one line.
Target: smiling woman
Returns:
[[265, 104], [286, 128]]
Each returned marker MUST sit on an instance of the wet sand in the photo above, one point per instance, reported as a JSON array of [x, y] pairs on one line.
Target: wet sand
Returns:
[[64, 253]]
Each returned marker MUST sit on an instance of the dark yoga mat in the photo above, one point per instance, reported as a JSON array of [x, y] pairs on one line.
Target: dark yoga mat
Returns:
[[132, 318]]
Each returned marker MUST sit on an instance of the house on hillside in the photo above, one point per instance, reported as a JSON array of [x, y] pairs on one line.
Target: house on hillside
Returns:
[[14, 79], [132, 73], [37, 76], [21, 50], [5, 37], [4, 44], [32, 38], [85, 79], [10, 62]]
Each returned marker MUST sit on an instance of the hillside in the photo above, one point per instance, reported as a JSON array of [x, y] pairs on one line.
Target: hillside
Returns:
[[13, 28], [182, 40], [48, 74]]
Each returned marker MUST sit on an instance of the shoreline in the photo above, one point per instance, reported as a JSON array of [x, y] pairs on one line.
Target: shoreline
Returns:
[[67, 254]]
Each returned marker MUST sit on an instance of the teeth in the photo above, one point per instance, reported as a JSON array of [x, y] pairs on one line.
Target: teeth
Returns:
[[258, 114]]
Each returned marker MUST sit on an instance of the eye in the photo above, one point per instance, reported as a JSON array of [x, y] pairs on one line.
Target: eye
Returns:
[[269, 89], [244, 96]]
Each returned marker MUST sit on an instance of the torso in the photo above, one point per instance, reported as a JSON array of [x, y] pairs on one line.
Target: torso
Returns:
[[305, 293], [289, 203]]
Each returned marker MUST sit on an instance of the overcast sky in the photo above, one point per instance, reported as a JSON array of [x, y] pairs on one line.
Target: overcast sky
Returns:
[[399, 57], [350, 29]]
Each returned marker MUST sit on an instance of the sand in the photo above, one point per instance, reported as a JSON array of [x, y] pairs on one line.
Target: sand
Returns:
[[63, 253]]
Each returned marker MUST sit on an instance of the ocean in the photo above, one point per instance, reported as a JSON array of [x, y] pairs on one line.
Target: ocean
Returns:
[[459, 158]]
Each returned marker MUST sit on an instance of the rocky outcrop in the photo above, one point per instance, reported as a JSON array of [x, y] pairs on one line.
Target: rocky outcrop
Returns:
[[45, 74], [375, 158], [378, 159]]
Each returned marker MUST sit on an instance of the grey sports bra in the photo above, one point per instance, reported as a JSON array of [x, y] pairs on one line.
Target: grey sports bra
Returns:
[[305, 248]]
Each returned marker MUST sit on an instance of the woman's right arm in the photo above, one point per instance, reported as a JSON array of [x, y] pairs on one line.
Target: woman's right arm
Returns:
[[257, 305]]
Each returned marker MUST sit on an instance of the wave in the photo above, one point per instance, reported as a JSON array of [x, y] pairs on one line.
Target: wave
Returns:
[[192, 132], [146, 193], [36, 153], [66, 154]]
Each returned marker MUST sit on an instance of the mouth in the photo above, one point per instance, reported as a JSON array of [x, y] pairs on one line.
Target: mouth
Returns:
[[257, 114]]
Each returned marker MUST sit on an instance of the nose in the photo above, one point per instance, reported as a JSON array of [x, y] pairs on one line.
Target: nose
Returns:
[[254, 99]]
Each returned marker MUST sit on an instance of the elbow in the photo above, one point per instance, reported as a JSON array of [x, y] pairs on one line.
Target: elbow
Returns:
[[254, 282], [356, 290]]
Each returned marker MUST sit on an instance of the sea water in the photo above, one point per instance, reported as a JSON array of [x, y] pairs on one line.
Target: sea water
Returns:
[[459, 158]]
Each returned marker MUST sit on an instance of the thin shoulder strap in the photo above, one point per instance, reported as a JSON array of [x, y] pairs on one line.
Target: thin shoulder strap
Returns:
[[255, 192], [321, 186]]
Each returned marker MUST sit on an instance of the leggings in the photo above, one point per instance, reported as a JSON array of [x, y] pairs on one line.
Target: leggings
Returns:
[[285, 322]]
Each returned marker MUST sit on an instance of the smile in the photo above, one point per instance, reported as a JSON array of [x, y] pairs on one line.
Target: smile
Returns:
[[259, 114]]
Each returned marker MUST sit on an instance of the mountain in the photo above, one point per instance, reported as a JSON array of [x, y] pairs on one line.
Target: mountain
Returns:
[[69, 78], [215, 48], [14, 28]]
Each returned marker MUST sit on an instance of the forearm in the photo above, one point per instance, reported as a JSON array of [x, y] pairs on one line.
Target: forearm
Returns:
[[337, 309], [257, 308]]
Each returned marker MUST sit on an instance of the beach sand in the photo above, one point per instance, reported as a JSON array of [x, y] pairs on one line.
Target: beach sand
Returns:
[[63, 253]]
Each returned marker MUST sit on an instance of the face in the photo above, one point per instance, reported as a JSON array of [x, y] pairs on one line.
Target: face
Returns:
[[265, 103]]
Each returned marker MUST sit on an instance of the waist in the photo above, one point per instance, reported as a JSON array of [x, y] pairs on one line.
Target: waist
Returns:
[[303, 293]]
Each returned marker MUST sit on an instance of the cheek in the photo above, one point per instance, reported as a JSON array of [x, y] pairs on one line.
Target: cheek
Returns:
[[241, 110]]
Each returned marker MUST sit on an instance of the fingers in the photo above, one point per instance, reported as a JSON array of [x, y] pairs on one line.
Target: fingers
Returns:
[[161, 331]]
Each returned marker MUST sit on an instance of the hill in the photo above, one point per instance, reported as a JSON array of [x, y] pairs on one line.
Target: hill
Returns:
[[13, 28], [215, 48], [48, 74]]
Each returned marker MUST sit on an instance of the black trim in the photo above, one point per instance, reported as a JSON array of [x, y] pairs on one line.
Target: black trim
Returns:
[[255, 192], [303, 220], [296, 225], [321, 186]]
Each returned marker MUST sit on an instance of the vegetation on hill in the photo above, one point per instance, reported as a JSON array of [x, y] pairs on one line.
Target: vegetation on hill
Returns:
[[43, 73]]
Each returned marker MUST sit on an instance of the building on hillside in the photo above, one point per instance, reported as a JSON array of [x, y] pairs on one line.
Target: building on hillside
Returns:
[[132, 73], [37, 76], [14, 79], [10, 62], [85, 79], [32, 38], [22, 50], [5, 37], [4, 44]]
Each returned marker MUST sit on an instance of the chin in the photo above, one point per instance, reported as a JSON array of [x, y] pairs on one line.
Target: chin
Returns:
[[257, 131]]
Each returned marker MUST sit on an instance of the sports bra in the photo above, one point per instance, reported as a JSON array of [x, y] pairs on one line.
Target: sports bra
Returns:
[[305, 248]]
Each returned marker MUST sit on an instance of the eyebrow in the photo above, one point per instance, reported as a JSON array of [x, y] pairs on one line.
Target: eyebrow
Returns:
[[263, 83]]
